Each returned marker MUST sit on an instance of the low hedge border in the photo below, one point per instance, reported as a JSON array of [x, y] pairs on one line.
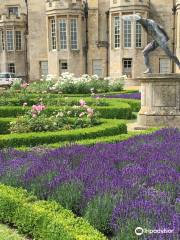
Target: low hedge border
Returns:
[[5, 125], [118, 110], [90, 142], [42, 219], [107, 128]]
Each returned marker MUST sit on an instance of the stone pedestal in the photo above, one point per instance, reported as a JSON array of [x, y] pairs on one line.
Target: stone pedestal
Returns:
[[160, 101]]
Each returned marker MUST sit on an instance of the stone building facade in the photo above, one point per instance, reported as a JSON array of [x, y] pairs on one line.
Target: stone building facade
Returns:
[[55, 36]]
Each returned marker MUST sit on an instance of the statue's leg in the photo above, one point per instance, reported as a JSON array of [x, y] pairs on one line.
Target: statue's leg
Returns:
[[149, 48], [170, 54]]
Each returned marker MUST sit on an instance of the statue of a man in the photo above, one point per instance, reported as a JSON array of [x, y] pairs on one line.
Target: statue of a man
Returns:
[[160, 39]]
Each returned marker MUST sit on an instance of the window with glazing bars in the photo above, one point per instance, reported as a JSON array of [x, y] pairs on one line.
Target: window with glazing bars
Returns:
[[116, 31], [11, 68], [138, 35], [18, 40], [10, 40], [63, 33], [127, 33], [53, 34], [74, 38]]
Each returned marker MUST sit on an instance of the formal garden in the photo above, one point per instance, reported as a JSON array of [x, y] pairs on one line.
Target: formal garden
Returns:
[[71, 169]]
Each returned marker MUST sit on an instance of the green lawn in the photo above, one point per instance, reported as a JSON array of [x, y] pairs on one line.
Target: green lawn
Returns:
[[8, 234]]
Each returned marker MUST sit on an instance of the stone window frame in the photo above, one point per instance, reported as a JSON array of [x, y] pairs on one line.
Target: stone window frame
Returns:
[[63, 38], [18, 40], [74, 32], [62, 63], [116, 31], [53, 38], [10, 40], [127, 33], [11, 67], [2, 40], [129, 62], [15, 9], [138, 35]]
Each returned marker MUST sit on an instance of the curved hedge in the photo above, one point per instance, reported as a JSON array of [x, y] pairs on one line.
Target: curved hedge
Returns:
[[118, 110], [42, 219], [107, 128]]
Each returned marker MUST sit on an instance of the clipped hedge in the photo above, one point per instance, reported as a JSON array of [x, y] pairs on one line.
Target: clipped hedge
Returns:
[[5, 125], [107, 128], [118, 110], [42, 219], [106, 139], [11, 111]]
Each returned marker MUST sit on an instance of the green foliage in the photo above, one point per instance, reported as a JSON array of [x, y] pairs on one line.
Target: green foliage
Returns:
[[69, 195], [99, 210], [9, 234], [42, 219], [107, 128]]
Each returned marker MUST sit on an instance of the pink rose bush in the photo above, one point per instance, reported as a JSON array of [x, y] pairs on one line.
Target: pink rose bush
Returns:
[[39, 120]]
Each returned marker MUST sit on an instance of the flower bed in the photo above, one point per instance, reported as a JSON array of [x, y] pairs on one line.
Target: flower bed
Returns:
[[116, 187], [68, 83]]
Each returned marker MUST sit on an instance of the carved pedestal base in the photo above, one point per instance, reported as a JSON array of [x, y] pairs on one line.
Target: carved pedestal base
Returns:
[[160, 101]]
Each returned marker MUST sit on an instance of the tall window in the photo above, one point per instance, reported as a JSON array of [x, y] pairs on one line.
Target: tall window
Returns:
[[13, 11], [74, 39], [116, 31], [2, 46], [11, 68], [63, 33], [127, 33], [10, 40], [53, 34], [138, 35], [18, 40]]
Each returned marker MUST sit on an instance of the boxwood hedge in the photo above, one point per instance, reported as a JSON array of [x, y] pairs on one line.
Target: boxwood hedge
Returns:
[[106, 128], [116, 110], [42, 219]]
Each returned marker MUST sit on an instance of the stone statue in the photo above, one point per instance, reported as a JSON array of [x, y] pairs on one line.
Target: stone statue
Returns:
[[160, 39]]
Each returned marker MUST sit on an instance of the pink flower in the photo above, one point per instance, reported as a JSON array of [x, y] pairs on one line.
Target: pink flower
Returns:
[[82, 103], [97, 98], [38, 108]]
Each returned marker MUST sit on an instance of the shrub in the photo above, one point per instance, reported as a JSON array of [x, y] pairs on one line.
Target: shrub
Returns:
[[37, 121], [42, 220]]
